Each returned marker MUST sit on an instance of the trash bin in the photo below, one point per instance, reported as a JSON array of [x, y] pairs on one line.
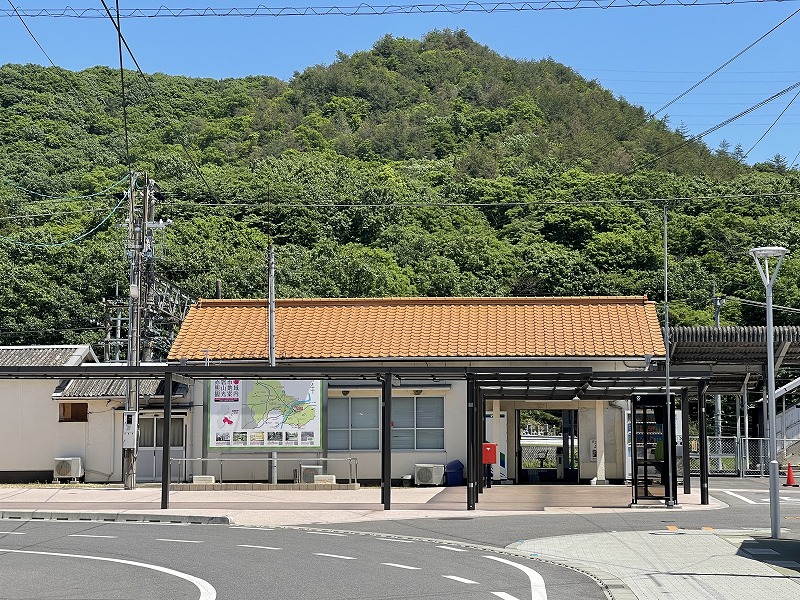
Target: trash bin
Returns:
[[454, 473]]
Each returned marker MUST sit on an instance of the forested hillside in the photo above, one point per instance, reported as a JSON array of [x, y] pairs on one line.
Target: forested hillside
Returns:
[[420, 167]]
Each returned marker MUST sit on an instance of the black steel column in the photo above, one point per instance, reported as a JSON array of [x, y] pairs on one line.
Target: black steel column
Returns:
[[701, 410], [480, 419], [687, 461], [166, 446], [470, 443], [386, 442]]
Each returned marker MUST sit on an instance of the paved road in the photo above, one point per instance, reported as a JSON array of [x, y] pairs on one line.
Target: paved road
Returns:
[[46, 559], [747, 500]]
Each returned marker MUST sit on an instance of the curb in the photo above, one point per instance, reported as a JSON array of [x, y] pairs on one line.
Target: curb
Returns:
[[44, 515]]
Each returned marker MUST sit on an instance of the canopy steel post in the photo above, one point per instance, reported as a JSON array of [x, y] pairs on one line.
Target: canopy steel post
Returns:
[[470, 443], [687, 461], [166, 445], [701, 409], [386, 442]]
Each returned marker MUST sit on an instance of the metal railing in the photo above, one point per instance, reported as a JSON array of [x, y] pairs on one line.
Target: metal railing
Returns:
[[301, 462], [538, 457]]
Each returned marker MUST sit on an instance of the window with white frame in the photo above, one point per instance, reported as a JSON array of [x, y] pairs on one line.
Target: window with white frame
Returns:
[[353, 423], [417, 423]]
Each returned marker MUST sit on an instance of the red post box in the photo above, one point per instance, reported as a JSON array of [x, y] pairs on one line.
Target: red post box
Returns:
[[489, 454]]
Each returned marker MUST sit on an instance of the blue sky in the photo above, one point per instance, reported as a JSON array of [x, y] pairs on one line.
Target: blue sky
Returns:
[[649, 55]]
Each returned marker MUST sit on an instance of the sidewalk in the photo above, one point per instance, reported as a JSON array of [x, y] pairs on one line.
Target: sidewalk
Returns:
[[633, 565]]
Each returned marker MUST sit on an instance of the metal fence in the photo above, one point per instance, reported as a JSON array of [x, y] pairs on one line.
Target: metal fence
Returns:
[[728, 455], [539, 457]]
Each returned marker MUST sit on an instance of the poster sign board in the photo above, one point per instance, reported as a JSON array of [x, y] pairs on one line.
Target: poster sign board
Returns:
[[265, 414]]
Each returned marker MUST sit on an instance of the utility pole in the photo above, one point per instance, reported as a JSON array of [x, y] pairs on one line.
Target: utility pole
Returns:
[[718, 302], [134, 253]]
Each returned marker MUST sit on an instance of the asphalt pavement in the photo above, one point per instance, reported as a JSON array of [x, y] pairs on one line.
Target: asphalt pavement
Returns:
[[657, 562]]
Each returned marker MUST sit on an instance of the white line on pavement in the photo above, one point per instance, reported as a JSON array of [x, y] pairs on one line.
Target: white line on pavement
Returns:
[[401, 566], [113, 537], [394, 540], [262, 547], [12, 533], [179, 541], [335, 556], [326, 533], [505, 596], [538, 590], [461, 579], [453, 548], [730, 493], [207, 591], [253, 528]]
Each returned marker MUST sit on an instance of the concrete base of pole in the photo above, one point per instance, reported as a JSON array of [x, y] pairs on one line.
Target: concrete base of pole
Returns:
[[129, 468]]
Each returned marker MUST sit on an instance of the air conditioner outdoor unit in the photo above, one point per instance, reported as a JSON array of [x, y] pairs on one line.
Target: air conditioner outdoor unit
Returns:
[[428, 474], [307, 473], [68, 468]]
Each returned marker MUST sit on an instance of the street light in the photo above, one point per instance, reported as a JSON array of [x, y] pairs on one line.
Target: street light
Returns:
[[762, 256]]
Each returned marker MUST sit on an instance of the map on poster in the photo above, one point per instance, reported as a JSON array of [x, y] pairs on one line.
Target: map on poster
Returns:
[[267, 414]]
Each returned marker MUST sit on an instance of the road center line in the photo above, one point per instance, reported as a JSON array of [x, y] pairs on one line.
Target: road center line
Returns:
[[538, 590], [179, 541], [335, 556], [113, 537], [207, 591], [453, 548], [402, 566], [461, 579], [12, 533], [261, 547], [394, 540]]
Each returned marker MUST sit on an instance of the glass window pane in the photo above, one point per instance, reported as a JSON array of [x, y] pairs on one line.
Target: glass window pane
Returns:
[[364, 412], [403, 412], [430, 439], [365, 439], [339, 413], [338, 439], [402, 439], [145, 432], [430, 412]]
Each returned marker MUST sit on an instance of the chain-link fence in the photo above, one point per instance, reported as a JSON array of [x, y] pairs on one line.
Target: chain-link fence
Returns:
[[539, 457], [740, 456]]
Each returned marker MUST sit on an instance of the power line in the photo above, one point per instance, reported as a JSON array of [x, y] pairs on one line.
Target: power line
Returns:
[[699, 136], [722, 66], [365, 9], [48, 198], [84, 235]]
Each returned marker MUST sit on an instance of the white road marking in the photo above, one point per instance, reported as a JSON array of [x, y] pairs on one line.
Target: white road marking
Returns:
[[780, 498], [505, 596], [12, 533], [394, 540], [261, 547], [207, 591], [335, 556], [326, 533], [179, 541], [461, 579], [454, 549], [730, 493], [538, 590], [113, 537], [253, 528], [402, 566]]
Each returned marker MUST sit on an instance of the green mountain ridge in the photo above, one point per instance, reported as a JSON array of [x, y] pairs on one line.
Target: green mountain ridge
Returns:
[[420, 167]]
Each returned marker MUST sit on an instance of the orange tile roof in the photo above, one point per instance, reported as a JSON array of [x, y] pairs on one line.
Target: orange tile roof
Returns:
[[378, 328]]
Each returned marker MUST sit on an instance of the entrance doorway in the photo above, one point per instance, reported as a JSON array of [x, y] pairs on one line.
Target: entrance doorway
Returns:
[[547, 446], [151, 447]]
